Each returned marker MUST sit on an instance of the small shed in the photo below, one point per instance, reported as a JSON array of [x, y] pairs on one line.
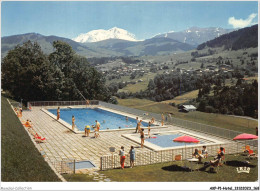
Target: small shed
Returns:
[[187, 108]]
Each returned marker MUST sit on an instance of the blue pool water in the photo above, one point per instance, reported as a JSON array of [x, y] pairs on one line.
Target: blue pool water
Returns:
[[87, 116], [166, 140]]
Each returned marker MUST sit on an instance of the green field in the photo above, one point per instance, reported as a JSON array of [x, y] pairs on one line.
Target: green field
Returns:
[[140, 85], [218, 120], [20, 160], [78, 178], [183, 98], [173, 172]]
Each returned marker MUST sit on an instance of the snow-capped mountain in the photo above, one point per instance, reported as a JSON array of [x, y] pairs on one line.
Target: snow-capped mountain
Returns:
[[195, 35], [101, 34]]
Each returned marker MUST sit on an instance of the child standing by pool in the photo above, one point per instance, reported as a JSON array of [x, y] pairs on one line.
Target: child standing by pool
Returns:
[[132, 156], [73, 122]]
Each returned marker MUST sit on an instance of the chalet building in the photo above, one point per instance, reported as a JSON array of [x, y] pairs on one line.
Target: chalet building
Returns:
[[187, 108]]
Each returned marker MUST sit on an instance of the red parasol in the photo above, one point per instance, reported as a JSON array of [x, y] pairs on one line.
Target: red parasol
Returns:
[[245, 136], [186, 139]]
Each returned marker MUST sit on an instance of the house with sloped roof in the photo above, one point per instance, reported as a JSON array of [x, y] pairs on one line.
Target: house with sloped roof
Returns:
[[187, 108]]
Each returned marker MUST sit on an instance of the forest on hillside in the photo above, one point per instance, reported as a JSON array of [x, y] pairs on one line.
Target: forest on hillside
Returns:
[[240, 39], [29, 74]]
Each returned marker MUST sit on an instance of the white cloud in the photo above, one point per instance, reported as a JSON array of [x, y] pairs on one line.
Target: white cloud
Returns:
[[240, 23]]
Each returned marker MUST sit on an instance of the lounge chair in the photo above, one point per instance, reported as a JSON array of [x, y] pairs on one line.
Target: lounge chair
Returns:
[[36, 137], [246, 149], [39, 140], [215, 165], [39, 137], [252, 155], [177, 158]]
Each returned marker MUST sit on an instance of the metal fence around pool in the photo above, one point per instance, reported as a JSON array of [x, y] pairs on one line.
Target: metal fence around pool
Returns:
[[66, 166], [60, 103], [216, 131], [151, 157]]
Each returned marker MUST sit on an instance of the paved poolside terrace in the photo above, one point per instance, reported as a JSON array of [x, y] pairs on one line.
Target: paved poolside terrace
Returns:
[[62, 143]]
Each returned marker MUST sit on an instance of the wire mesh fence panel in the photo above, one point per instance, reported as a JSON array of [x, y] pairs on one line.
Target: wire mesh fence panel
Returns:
[[225, 133], [63, 166], [61, 103], [153, 157]]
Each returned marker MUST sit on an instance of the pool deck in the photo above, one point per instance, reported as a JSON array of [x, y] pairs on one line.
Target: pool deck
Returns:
[[61, 143]]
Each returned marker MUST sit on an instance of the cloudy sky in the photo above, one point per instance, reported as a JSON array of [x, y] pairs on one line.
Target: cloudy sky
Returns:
[[144, 19]]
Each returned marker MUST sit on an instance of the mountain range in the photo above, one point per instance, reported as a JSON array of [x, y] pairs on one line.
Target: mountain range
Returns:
[[101, 34], [195, 35], [119, 42]]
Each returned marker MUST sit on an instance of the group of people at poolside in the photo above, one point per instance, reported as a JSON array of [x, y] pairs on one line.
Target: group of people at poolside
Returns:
[[200, 154], [141, 130], [28, 124], [122, 157], [87, 127], [97, 127], [203, 154]]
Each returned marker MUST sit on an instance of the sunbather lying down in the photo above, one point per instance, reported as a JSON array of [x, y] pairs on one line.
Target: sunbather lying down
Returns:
[[36, 136]]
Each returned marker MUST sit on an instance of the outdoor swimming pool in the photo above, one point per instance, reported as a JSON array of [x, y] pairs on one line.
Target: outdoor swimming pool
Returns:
[[166, 140], [87, 116]]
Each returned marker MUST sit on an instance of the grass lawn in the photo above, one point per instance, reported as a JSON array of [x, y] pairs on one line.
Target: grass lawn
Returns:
[[20, 160], [173, 172], [218, 120], [78, 178]]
